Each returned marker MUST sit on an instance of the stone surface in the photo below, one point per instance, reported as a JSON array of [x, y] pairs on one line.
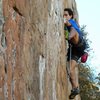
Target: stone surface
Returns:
[[33, 50]]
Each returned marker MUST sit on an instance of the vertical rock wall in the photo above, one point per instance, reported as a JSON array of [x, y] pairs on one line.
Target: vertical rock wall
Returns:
[[33, 51]]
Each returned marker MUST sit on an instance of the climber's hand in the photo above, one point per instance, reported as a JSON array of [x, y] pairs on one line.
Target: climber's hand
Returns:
[[66, 22]]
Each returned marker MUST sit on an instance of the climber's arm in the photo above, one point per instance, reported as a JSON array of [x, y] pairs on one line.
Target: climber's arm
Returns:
[[72, 33]]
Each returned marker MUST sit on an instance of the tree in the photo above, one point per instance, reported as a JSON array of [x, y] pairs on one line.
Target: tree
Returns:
[[98, 79], [88, 88]]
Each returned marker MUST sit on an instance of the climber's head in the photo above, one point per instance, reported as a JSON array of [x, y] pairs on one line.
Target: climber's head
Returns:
[[68, 13]]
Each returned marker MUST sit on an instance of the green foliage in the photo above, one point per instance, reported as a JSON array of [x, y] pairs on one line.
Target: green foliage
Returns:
[[98, 79], [85, 36], [89, 90]]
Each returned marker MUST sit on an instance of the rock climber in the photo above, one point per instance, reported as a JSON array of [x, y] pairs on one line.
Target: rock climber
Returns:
[[77, 45]]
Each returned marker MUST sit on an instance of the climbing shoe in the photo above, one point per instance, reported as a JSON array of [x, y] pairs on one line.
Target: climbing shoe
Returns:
[[74, 92]]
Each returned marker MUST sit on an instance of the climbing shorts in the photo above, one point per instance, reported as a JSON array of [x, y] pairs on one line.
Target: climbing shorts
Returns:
[[76, 50]]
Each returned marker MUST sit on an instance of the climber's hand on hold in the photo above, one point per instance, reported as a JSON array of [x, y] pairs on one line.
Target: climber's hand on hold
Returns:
[[66, 22]]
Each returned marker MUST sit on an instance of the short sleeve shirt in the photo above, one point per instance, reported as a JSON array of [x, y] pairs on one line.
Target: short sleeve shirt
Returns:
[[74, 24]]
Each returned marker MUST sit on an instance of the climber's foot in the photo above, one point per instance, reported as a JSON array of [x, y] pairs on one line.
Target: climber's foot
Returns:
[[74, 92]]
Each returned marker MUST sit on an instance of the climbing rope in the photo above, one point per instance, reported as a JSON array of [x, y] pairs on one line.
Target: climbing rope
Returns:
[[69, 64]]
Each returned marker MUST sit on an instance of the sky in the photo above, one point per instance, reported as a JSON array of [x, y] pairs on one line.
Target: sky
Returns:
[[89, 15]]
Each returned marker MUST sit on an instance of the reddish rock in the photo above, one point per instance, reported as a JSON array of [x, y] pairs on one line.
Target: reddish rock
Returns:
[[33, 63]]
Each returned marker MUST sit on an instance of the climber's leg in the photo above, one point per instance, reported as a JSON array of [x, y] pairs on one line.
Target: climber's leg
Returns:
[[74, 82], [73, 74], [72, 59]]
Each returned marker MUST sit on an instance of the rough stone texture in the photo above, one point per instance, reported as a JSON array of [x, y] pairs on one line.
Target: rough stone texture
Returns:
[[32, 50]]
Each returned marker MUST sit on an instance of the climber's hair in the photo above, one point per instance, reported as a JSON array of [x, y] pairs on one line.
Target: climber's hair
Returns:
[[70, 12]]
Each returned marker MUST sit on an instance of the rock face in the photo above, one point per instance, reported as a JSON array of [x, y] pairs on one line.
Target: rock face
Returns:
[[33, 50]]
